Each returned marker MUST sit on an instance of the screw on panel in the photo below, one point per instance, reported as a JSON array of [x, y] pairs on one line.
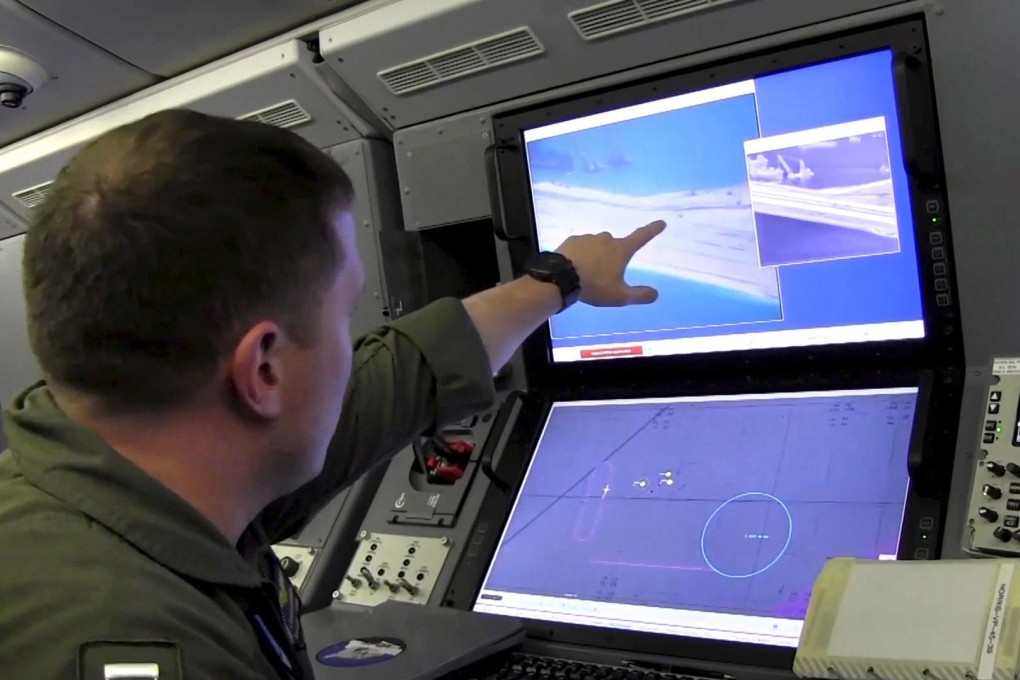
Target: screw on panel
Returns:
[[485, 135], [337, 595], [407, 190], [444, 541], [362, 535], [939, 10]]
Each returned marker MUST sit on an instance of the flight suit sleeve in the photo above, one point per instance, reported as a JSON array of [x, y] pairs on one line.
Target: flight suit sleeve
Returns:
[[410, 377]]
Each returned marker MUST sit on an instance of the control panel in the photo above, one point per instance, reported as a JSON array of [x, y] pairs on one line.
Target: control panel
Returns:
[[420, 518], [994, 510], [296, 561], [392, 567], [315, 557]]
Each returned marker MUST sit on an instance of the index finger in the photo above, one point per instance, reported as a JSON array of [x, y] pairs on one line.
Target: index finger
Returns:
[[640, 237]]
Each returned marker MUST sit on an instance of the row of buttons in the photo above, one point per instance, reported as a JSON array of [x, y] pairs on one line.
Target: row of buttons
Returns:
[[943, 298], [926, 524], [994, 404]]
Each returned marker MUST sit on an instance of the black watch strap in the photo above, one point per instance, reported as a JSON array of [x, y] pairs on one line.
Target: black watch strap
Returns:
[[556, 269]]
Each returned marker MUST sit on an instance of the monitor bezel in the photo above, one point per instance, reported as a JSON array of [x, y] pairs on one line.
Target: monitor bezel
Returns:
[[936, 399], [942, 341]]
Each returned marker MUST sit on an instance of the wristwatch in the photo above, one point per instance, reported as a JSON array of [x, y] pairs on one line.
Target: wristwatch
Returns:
[[559, 270]]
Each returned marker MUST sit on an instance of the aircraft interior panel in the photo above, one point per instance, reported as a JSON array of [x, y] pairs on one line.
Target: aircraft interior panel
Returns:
[[79, 76], [169, 39], [277, 84], [458, 56], [369, 164], [18, 368], [457, 144]]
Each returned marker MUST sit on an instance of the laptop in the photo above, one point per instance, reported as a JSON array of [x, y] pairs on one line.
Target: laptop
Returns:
[[678, 474]]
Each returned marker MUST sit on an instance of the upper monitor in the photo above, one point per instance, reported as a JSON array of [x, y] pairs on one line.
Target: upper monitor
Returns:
[[787, 204]]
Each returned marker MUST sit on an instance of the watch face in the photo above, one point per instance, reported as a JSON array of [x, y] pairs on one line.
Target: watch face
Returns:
[[548, 263]]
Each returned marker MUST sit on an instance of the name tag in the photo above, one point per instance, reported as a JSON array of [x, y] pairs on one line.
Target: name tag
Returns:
[[131, 671]]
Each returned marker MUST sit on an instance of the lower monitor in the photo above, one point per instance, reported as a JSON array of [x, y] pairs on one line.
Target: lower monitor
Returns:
[[702, 517]]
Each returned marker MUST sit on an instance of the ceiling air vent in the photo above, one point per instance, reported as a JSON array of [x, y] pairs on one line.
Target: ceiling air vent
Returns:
[[462, 61], [616, 16], [285, 114], [32, 196]]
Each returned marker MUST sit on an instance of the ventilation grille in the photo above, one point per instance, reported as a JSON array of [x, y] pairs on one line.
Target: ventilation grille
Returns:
[[285, 115], [609, 18], [32, 196], [463, 61]]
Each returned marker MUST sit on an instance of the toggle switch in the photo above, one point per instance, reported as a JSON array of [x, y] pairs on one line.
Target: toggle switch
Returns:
[[373, 583]]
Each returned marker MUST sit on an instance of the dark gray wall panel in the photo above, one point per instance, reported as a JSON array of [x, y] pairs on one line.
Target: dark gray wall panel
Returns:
[[364, 43], [169, 38], [975, 55], [83, 76], [18, 368]]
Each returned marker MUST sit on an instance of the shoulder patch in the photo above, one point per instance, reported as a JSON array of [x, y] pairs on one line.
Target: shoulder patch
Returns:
[[129, 660]]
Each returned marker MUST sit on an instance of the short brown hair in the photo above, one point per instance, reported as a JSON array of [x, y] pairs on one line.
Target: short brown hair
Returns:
[[163, 240]]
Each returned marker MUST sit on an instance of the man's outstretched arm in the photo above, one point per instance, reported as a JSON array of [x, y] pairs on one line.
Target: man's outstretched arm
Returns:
[[506, 315], [435, 366]]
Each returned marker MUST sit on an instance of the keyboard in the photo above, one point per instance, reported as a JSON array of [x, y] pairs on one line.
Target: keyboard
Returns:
[[517, 666]]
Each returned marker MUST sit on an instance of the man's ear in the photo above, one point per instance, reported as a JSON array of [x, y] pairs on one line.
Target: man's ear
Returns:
[[256, 370]]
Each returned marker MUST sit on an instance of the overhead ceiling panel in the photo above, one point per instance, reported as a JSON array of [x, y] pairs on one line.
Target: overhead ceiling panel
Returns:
[[387, 53], [82, 76], [168, 38], [277, 85]]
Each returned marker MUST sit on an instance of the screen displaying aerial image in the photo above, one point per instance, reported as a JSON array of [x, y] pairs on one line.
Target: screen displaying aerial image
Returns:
[[787, 212], [702, 516]]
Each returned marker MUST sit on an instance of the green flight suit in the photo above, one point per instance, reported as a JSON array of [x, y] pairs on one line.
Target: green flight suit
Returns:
[[94, 553]]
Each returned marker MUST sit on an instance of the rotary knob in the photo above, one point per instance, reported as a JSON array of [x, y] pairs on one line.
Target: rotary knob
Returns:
[[988, 514], [1003, 534], [993, 492], [996, 469], [290, 566]]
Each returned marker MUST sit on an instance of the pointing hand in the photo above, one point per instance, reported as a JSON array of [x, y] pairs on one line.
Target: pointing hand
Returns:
[[600, 261]]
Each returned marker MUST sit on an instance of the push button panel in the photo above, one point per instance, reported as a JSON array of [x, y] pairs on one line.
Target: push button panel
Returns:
[[993, 526]]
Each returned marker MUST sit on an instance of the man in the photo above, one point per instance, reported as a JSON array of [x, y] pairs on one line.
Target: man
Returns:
[[190, 282]]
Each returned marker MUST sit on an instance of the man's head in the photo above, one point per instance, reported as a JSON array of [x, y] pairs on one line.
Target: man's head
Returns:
[[185, 255]]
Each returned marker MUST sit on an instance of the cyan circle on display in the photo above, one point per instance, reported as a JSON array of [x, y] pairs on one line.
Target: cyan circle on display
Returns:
[[779, 555]]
